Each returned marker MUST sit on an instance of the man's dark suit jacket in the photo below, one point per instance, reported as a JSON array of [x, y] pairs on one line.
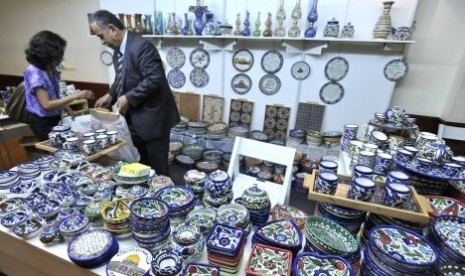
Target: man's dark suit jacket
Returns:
[[153, 109]]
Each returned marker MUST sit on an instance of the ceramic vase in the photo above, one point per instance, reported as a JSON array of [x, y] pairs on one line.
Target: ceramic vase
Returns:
[[312, 18], [268, 32], [138, 29], [296, 15], [383, 25], [159, 26], [198, 22], [210, 26], [237, 31], [187, 29], [246, 31], [129, 26], [280, 31], [148, 24], [257, 32]]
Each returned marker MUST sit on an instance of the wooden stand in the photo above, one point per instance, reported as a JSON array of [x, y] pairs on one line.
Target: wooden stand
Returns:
[[340, 198]]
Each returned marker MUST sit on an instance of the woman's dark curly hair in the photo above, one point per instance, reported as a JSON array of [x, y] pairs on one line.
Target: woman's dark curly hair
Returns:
[[45, 48]]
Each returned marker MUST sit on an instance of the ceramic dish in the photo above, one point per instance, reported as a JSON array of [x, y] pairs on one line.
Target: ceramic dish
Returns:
[[272, 61], [11, 219], [233, 214], [28, 228], [300, 70], [445, 206], [149, 210], [225, 239], [281, 211], [395, 69], [261, 255], [331, 92], [133, 261], [92, 248], [281, 233], [197, 269], [166, 262], [178, 198], [451, 270], [449, 231], [202, 218], [199, 58], [241, 83], [128, 179], [434, 172], [176, 78], [243, 60], [269, 84], [175, 57], [336, 68], [307, 263], [199, 77]]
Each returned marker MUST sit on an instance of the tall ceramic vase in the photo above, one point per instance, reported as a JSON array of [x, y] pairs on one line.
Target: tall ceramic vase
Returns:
[[198, 22], [312, 18], [383, 25]]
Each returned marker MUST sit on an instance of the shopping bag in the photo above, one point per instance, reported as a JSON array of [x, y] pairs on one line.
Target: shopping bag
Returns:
[[101, 118]]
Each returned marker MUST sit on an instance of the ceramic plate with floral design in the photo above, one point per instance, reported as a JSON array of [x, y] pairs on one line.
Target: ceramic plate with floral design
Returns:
[[307, 263], [451, 232], [336, 68], [268, 260], [281, 211], [403, 245], [225, 239], [269, 84], [272, 61], [199, 77], [176, 78], [443, 205], [331, 92], [281, 233], [28, 228], [175, 57]]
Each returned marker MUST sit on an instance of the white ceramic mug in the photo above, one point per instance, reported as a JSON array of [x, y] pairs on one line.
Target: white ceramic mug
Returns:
[[112, 136], [102, 141], [72, 143], [89, 147]]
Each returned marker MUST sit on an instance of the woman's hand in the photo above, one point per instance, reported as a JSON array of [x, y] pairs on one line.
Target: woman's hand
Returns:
[[85, 94]]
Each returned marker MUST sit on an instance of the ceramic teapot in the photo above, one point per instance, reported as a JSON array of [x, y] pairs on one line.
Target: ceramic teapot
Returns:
[[436, 151], [59, 134], [403, 33]]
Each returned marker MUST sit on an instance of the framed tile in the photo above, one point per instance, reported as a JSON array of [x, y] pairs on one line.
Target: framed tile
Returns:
[[276, 121], [212, 111], [189, 105], [240, 112], [309, 116]]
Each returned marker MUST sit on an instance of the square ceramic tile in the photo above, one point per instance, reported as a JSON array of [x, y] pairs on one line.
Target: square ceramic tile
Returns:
[[212, 108], [276, 121], [309, 116]]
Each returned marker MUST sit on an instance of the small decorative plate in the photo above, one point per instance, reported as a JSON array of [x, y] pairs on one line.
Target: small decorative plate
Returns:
[[225, 239], [243, 60], [135, 261], [331, 92], [307, 263], [262, 255], [241, 83], [28, 228], [413, 248], [106, 57], [200, 58], [272, 61], [396, 69], [199, 77], [281, 233], [336, 68], [176, 78], [300, 70], [175, 57], [269, 84], [92, 248]]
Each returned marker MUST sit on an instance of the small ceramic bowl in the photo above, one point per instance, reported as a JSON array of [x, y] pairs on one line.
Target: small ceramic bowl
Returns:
[[202, 218], [166, 262], [233, 214]]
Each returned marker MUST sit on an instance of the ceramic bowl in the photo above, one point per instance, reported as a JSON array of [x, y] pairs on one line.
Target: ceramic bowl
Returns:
[[233, 214], [193, 177], [218, 183], [206, 166], [28, 168], [281, 211], [28, 228], [166, 262], [117, 211], [11, 219], [202, 218], [312, 263], [179, 199], [188, 241], [149, 210], [261, 255], [7, 177]]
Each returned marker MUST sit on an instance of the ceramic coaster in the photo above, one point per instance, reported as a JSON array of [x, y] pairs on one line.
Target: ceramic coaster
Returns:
[[276, 121], [189, 105], [134, 261], [212, 108], [309, 116]]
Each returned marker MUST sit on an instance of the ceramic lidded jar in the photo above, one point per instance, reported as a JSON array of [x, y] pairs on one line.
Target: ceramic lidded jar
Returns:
[[59, 134], [218, 183], [255, 198], [332, 28], [348, 31]]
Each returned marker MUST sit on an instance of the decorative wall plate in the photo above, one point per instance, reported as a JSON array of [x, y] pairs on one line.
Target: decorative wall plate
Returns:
[[272, 61], [175, 57], [243, 60], [269, 84], [176, 78], [241, 83], [331, 92], [200, 58], [300, 70], [199, 77], [106, 57], [396, 69], [130, 261], [336, 68]]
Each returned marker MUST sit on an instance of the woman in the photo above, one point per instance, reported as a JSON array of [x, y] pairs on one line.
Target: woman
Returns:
[[42, 82]]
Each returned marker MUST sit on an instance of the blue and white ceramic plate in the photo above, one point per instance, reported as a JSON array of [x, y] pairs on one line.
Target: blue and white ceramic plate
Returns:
[[451, 232], [92, 248], [199, 58], [433, 173], [300, 70], [28, 228], [395, 69], [243, 60], [176, 78], [135, 261], [225, 239], [307, 263], [175, 57], [241, 83], [13, 218], [336, 68], [269, 84], [272, 61], [199, 77], [331, 92]]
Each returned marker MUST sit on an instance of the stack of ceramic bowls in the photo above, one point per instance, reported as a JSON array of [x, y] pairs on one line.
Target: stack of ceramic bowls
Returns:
[[199, 127], [9, 179], [92, 248], [259, 135], [350, 219], [182, 125], [196, 181], [326, 237], [158, 182], [194, 151], [217, 130], [448, 234], [296, 136], [280, 233], [74, 225], [213, 155], [149, 221], [268, 260], [44, 162], [307, 263], [395, 250], [256, 200], [176, 146], [28, 171], [166, 262], [116, 215], [238, 131], [234, 215], [225, 246], [202, 218], [281, 211], [188, 241], [180, 200], [218, 189]]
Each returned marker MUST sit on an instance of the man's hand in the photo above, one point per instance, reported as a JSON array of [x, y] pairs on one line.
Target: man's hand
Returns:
[[104, 101], [122, 105]]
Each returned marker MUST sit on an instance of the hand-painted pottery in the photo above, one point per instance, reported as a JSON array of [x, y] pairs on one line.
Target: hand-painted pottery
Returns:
[[28, 228], [133, 261], [64, 213], [233, 214], [397, 246], [225, 239], [11, 219], [48, 208], [50, 235], [24, 188], [445, 206], [281, 233], [202, 218], [330, 237], [166, 262], [138, 191], [210, 201], [307, 263], [6, 177], [158, 182], [261, 256], [68, 197], [193, 177], [35, 200], [28, 168], [451, 270], [149, 210], [200, 269], [102, 174], [449, 232], [88, 188], [10, 205], [92, 248], [282, 211], [179, 199], [120, 179], [117, 211], [218, 183], [255, 198], [73, 225], [188, 241], [396, 194]]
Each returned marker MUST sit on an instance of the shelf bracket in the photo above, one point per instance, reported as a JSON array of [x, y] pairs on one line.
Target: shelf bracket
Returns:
[[393, 47], [212, 44], [315, 47], [293, 46]]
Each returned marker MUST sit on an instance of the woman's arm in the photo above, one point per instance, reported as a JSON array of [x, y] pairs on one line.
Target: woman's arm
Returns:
[[48, 104]]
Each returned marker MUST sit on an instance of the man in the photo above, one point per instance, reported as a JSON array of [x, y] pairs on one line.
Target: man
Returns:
[[140, 90]]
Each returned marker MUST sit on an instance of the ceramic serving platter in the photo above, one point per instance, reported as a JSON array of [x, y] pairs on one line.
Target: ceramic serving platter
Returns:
[[135, 261], [434, 172], [451, 232], [91, 245], [307, 263], [262, 255], [403, 246]]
